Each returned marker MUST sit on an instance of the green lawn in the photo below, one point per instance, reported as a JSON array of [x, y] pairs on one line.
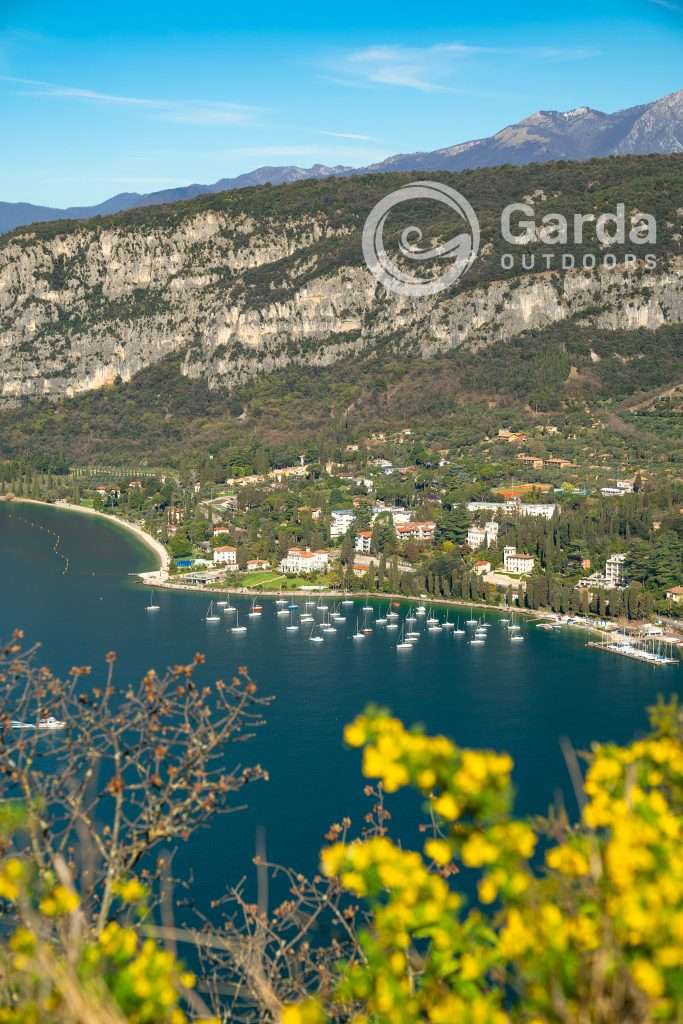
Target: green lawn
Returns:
[[263, 578]]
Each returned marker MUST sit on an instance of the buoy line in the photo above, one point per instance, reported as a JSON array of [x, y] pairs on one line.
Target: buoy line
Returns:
[[47, 529]]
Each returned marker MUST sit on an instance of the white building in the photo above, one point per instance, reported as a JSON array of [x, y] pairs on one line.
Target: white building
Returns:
[[300, 562], [416, 531], [515, 507], [226, 555], [476, 535], [517, 562], [363, 542], [257, 564], [614, 571], [341, 521], [491, 530], [622, 487], [398, 515]]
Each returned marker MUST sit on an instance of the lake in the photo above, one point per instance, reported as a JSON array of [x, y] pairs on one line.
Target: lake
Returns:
[[66, 584]]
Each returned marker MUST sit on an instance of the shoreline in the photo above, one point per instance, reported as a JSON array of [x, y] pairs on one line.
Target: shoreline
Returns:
[[162, 578], [160, 574]]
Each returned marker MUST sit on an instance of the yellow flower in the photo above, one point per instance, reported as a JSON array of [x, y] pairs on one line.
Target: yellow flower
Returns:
[[8, 890], [332, 858], [355, 734], [487, 889], [515, 938], [478, 851], [308, 1012], [62, 900], [439, 850], [447, 807], [568, 861], [648, 978], [470, 968], [130, 890]]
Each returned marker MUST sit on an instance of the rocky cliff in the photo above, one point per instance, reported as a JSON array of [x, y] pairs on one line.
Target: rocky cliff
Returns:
[[240, 288]]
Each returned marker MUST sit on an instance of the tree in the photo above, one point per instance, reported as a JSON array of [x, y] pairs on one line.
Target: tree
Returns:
[[384, 534], [136, 769], [454, 525]]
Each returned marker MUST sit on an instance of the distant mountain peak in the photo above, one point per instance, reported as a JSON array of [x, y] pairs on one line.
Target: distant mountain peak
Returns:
[[577, 134]]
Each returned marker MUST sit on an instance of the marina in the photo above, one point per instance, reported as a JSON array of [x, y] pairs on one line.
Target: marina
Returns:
[[652, 653]]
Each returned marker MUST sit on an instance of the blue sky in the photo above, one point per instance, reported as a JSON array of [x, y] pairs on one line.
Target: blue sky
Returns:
[[100, 98]]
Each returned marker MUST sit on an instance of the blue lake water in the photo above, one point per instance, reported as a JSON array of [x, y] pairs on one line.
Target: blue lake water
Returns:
[[80, 602]]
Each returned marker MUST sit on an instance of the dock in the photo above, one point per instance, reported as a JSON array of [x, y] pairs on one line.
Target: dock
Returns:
[[627, 650]]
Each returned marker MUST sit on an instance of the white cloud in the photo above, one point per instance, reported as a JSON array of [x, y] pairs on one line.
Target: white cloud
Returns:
[[432, 68], [179, 111], [668, 5], [353, 136]]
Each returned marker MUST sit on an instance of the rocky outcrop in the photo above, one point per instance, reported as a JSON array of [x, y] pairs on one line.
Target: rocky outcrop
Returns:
[[94, 303]]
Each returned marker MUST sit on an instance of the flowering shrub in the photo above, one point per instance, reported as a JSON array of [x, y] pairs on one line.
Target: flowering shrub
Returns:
[[53, 971], [570, 924]]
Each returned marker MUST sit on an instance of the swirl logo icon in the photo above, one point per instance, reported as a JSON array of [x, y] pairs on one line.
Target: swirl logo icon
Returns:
[[460, 250]]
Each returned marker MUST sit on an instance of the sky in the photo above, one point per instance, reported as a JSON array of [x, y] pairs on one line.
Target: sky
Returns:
[[99, 98]]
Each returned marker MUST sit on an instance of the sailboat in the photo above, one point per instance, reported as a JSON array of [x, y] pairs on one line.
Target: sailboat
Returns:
[[327, 626], [382, 620], [347, 601], [151, 607], [358, 635], [392, 616], [458, 631], [471, 621], [211, 614], [420, 610], [366, 628], [229, 607], [447, 624], [221, 604], [337, 615], [517, 638], [403, 644], [237, 628], [292, 626], [432, 620], [281, 602], [256, 609], [314, 637]]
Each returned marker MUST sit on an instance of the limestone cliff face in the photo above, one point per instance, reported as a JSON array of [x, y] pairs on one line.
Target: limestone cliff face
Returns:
[[91, 303]]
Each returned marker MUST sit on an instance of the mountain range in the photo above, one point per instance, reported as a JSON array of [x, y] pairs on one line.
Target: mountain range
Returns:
[[579, 134]]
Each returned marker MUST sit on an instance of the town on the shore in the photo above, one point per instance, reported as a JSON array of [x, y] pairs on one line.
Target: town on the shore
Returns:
[[527, 527]]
